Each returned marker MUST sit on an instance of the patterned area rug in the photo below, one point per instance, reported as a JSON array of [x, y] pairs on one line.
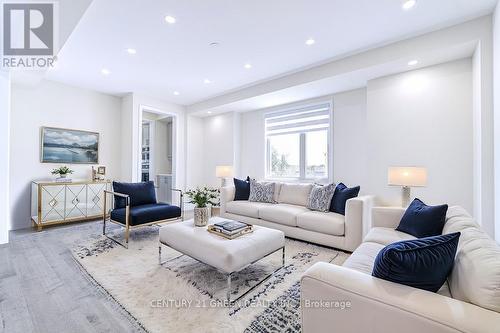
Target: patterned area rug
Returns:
[[184, 295]]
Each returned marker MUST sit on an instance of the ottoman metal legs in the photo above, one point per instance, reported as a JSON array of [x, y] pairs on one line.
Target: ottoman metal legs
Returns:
[[230, 275]]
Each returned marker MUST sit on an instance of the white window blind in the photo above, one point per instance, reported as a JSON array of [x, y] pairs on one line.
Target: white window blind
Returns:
[[311, 118]]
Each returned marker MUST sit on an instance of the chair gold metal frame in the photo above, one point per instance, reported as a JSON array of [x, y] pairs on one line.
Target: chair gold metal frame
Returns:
[[107, 216]]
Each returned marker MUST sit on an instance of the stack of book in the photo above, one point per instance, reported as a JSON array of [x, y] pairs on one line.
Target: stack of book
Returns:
[[230, 229]]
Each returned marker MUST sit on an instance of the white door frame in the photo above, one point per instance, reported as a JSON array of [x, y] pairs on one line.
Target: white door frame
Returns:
[[138, 147]]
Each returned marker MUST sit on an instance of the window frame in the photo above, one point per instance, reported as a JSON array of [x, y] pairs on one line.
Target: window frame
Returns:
[[302, 147]]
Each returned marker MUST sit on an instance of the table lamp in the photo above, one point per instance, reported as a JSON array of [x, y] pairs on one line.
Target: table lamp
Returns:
[[407, 177], [223, 172]]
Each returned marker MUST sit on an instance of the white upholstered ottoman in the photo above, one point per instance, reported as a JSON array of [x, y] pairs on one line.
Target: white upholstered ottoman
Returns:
[[227, 256]]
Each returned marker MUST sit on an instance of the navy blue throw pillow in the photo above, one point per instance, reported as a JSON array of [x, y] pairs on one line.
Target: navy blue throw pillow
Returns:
[[140, 193], [340, 196], [423, 263], [421, 220], [242, 189]]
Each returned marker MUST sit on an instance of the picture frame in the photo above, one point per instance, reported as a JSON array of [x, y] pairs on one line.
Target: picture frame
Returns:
[[101, 170], [68, 146]]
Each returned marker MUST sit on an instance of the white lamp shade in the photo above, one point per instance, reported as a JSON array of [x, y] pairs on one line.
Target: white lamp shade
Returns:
[[224, 171], [407, 176]]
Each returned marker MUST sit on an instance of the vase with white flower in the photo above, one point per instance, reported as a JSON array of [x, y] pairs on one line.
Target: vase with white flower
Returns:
[[202, 198]]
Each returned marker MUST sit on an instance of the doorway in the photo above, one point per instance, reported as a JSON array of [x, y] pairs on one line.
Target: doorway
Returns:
[[157, 153]]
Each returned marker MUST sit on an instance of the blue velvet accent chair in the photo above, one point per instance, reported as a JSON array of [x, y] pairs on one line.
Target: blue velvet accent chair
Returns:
[[135, 205]]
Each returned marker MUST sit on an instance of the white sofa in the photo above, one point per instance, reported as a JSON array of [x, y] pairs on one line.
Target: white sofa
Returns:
[[468, 302], [291, 216]]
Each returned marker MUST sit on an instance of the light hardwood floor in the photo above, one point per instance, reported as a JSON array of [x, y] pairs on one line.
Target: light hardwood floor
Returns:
[[43, 290]]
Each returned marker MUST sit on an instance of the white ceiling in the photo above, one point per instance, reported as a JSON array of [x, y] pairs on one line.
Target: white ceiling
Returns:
[[269, 34], [338, 83]]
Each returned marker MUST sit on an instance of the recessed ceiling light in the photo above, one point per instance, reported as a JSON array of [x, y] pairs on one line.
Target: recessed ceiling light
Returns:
[[247, 66], [131, 51], [170, 19], [176, 93], [412, 62], [209, 112], [409, 4], [207, 81], [214, 44], [105, 71], [310, 41]]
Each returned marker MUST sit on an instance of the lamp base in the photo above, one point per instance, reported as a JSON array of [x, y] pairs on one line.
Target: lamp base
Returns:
[[223, 182], [406, 196]]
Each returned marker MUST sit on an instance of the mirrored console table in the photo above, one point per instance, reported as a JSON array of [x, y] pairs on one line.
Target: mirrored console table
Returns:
[[63, 202]]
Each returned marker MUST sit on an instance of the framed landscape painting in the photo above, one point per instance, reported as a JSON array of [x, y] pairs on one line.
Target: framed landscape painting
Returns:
[[60, 145]]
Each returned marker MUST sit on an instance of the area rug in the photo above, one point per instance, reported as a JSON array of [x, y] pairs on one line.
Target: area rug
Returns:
[[184, 295]]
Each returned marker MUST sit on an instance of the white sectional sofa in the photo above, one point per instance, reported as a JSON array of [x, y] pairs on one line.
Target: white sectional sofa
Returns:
[[291, 216], [468, 302]]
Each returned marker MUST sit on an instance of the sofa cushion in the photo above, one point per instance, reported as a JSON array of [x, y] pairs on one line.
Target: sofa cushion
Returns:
[[341, 195], [261, 192], [320, 197], [282, 213], [457, 219], [241, 189], [386, 236], [146, 213], [326, 223], [423, 263], [295, 194], [139, 193], [421, 220], [246, 208], [475, 277], [277, 190], [363, 258]]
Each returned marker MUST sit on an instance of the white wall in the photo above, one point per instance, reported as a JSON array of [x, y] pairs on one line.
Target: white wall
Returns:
[[195, 147], [57, 105], [253, 143], [423, 118], [496, 101], [477, 161], [483, 131], [219, 140], [350, 138], [127, 138], [5, 91]]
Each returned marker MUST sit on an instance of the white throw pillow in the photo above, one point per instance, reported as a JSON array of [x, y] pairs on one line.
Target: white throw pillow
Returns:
[[261, 192], [321, 197], [295, 194], [277, 189]]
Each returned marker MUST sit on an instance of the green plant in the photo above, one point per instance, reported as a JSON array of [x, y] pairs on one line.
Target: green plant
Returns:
[[279, 163], [64, 170], [201, 197]]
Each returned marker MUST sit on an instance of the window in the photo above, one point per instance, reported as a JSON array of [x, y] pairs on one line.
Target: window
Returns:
[[297, 143]]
